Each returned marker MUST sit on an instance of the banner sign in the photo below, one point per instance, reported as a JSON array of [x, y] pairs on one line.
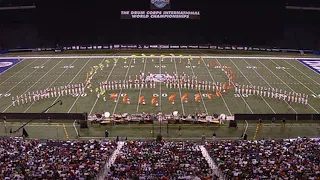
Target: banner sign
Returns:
[[160, 14], [159, 46]]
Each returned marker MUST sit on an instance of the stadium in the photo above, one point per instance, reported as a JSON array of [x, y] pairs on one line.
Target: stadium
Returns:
[[159, 89]]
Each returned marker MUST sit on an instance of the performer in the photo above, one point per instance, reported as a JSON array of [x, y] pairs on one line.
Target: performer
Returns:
[[13, 101]]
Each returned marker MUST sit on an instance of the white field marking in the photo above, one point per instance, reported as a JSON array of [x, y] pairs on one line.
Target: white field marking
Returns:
[[215, 82], [240, 96], [175, 65], [16, 72], [72, 80], [269, 85], [25, 78], [252, 85], [204, 105], [35, 82], [306, 65], [303, 72], [119, 95], [95, 102], [160, 108], [296, 80], [11, 66], [112, 56], [50, 86], [144, 70]]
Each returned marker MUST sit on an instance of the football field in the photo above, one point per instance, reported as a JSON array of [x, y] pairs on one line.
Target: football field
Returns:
[[30, 75], [21, 76]]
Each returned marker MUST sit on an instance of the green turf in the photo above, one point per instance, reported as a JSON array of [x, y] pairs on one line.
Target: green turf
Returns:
[[265, 73], [168, 131]]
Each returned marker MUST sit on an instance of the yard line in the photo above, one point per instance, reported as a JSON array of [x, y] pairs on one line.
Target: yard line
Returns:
[[16, 72], [290, 87], [125, 77], [175, 65], [204, 105], [252, 85], [221, 94], [72, 80], [144, 70], [36, 82], [95, 102], [301, 71], [25, 77], [50, 86], [161, 58], [269, 85]]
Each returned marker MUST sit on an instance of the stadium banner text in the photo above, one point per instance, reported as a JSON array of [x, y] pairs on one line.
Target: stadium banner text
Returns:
[[160, 14], [160, 47]]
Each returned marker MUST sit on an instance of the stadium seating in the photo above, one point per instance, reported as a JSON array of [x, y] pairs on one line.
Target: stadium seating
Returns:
[[267, 159], [167, 160], [31, 159]]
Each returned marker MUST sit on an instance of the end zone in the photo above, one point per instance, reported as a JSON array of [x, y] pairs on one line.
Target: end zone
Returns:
[[313, 64], [6, 64]]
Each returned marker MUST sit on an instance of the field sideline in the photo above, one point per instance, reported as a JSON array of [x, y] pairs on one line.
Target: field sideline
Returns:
[[37, 73]]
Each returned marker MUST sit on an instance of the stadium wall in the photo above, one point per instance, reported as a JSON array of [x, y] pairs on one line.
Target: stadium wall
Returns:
[[298, 117], [44, 116]]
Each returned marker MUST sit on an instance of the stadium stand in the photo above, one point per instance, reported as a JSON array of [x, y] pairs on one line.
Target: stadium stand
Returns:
[[267, 159], [166, 160], [31, 159]]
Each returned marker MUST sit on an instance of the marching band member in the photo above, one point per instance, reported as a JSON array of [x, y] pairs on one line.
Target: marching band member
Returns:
[[72, 88], [296, 97], [18, 100], [242, 92], [247, 89], [299, 98], [196, 84], [33, 96], [185, 83], [276, 94], [69, 90], [236, 87], [112, 85], [254, 90], [269, 92], [29, 95], [303, 98], [306, 100], [59, 92], [265, 92], [292, 97], [136, 83], [55, 92], [13, 101], [289, 96], [153, 83], [123, 85], [25, 98], [261, 91], [22, 100], [219, 86]]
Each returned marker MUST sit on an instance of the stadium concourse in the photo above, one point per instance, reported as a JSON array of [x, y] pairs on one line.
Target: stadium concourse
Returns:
[[141, 160]]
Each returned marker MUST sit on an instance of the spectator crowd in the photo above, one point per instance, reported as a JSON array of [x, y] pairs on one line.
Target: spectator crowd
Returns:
[[267, 159], [160, 160], [142, 160], [31, 159]]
